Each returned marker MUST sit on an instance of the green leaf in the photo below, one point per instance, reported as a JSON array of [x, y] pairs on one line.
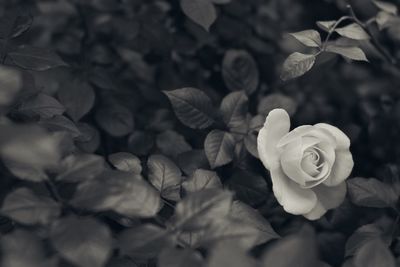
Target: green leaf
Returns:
[[374, 254], [82, 241], [164, 175], [144, 241], [34, 58], [201, 208], [116, 120], [23, 206], [125, 161], [77, 97], [234, 109], [41, 105], [362, 236], [200, 180], [192, 107], [370, 192], [353, 31], [295, 250], [250, 142], [122, 192], [240, 71], [326, 25], [175, 257], [219, 148], [386, 6], [81, 167], [296, 65], [309, 38], [354, 53], [202, 12], [172, 144]]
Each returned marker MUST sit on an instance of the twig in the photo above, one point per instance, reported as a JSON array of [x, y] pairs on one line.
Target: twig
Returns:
[[374, 40]]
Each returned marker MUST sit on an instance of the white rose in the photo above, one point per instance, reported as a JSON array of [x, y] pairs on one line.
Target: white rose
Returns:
[[308, 165]]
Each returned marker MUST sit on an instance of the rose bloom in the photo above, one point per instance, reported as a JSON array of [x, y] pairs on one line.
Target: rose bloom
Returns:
[[308, 165]]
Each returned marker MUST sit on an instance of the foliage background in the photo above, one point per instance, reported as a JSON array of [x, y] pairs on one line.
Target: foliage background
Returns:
[[99, 147]]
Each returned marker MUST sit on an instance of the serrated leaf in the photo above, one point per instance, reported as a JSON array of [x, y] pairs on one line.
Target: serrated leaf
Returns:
[[201, 208], [23, 206], [296, 65], [202, 12], [41, 105], [240, 71], [34, 58], [353, 31], [116, 120], [93, 239], [326, 25], [192, 107], [118, 191], [77, 97], [144, 241], [354, 53], [81, 167], [176, 257], [234, 109], [374, 254], [309, 38], [164, 175], [125, 161], [200, 180], [370, 192], [219, 148], [386, 6]]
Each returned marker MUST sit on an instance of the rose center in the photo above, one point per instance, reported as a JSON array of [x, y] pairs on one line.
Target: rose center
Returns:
[[312, 162]]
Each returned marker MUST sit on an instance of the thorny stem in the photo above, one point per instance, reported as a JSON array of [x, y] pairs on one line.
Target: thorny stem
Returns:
[[374, 40], [332, 29]]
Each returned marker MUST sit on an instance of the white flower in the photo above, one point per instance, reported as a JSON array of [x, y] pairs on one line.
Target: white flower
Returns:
[[308, 165]]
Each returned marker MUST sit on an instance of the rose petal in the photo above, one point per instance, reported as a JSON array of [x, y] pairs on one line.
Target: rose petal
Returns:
[[342, 140], [276, 125], [294, 134], [341, 169], [328, 198], [295, 200]]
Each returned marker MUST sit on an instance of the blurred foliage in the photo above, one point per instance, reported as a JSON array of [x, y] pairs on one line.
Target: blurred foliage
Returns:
[[128, 131]]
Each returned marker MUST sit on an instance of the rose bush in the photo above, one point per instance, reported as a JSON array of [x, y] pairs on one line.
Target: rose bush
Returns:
[[308, 165]]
